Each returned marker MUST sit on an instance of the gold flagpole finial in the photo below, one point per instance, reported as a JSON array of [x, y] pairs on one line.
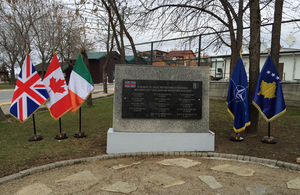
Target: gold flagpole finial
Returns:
[[79, 51], [241, 52], [26, 49], [53, 51], [269, 51]]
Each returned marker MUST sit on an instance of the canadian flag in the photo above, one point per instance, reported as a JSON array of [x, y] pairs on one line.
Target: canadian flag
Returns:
[[59, 102]]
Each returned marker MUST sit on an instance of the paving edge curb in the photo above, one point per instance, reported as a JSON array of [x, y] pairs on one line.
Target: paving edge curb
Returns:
[[210, 155]]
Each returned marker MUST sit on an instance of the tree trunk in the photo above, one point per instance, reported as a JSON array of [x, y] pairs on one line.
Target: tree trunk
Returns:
[[276, 31], [235, 53], [89, 101], [108, 54], [12, 74], [113, 5], [104, 80], [254, 49]]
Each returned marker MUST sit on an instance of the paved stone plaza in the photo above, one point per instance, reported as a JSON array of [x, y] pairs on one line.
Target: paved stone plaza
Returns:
[[158, 173]]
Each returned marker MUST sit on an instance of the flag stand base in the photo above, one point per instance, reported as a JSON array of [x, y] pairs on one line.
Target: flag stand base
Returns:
[[62, 135], [268, 140], [36, 137], [236, 137], [80, 134]]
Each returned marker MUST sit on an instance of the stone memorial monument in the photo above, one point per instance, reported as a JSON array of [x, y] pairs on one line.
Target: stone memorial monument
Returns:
[[160, 108]]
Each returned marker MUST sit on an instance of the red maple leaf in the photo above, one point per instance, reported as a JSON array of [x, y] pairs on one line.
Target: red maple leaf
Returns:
[[57, 86]]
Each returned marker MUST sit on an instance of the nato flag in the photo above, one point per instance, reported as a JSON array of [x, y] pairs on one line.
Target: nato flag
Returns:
[[268, 97], [237, 98]]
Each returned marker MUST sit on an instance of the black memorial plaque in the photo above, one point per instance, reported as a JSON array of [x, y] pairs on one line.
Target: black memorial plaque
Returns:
[[162, 99]]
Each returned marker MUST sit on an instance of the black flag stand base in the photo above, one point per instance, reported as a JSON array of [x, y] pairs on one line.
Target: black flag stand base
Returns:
[[236, 137], [35, 137], [80, 134], [268, 139], [61, 135]]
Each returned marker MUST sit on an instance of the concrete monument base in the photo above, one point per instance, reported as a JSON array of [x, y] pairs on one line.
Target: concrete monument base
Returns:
[[123, 142]]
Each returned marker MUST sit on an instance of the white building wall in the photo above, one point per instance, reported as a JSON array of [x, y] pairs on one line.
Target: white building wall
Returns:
[[296, 71], [291, 67]]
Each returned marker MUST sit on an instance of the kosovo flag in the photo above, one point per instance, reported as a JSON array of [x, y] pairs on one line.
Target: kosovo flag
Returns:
[[237, 98], [268, 96]]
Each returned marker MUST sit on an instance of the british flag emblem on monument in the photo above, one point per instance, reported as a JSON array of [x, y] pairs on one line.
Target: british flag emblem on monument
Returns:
[[30, 92], [130, 84]]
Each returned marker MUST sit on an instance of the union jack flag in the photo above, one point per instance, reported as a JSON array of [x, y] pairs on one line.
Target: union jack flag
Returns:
[[30, 92], [130, 84]]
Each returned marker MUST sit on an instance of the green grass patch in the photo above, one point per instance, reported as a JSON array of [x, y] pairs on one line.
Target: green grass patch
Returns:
[[17, 150], [6, 86], [18, 153]]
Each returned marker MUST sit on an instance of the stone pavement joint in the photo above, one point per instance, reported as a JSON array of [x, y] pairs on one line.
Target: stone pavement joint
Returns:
[[279, 163], [216, 154], [266, 161], [204, 154], [222, 155], [246, 158], [273, 162], [233, 156]]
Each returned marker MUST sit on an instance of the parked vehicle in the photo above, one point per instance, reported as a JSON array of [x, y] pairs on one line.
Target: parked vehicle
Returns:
[[216, 74]]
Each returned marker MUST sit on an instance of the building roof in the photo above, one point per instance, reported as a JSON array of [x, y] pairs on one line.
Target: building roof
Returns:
[[179, 54], [153, 51], [94, 55], [131, 58], [63, 66]]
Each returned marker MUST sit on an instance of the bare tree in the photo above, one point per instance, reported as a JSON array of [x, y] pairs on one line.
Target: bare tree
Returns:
[[123, 28], [16, 21], [199, 17], [45, 30]]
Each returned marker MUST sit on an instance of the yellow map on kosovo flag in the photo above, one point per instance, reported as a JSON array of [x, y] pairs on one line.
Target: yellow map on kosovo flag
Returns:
[[267, 89]]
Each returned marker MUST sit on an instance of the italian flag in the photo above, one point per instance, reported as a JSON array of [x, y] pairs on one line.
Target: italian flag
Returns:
[[80, 84], [59, 102]]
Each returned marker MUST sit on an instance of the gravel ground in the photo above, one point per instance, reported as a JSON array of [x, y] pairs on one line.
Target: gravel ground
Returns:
[[271, 180]]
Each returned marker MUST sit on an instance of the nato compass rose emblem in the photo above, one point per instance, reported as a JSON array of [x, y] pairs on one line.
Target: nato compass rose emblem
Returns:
[[240, 93]]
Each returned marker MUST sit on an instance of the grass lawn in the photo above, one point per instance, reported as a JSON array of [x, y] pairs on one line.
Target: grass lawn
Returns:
[[6, 86], [17, 153]]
